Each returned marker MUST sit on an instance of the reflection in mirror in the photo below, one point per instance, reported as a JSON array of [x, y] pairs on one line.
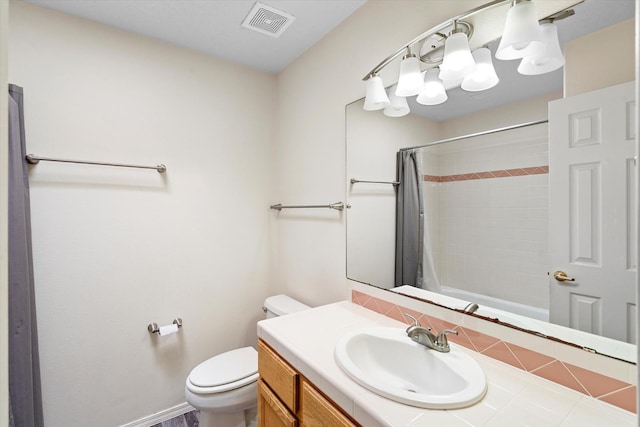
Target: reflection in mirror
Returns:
[[486, 207]]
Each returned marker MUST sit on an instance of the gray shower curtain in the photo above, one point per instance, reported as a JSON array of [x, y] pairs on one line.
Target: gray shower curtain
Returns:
[[409, 221], [25, 406], [415, 264]]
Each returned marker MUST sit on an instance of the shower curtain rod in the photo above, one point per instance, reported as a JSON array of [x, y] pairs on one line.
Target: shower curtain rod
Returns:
[[337, 206], [34, 160], [482, 133]]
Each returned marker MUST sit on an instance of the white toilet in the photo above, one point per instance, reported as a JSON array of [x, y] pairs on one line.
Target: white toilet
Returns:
[[225, 387]]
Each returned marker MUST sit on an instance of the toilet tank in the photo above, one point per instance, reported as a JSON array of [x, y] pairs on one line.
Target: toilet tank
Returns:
[[279, 305]]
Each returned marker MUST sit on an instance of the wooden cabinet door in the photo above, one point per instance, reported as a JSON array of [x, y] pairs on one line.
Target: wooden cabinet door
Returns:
[[271, 412], [316, 410], [280, 377]]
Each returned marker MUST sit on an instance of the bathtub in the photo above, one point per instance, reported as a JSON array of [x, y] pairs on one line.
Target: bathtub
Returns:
[[487, 303]]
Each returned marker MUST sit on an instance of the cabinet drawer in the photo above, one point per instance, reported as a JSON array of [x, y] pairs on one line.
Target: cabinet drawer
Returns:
[[317, 410], [271, 412], [280, 377]]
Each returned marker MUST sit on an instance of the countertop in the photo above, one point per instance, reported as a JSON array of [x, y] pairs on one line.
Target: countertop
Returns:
[[514, 397]]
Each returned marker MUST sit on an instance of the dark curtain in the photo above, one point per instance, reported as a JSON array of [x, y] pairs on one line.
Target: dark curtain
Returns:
[[409, 221], [24, 366]]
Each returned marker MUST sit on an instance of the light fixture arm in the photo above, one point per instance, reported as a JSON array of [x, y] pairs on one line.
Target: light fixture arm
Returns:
[[435, 30], [439, 30]]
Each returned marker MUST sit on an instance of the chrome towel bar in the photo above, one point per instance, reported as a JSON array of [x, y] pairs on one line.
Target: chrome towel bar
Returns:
[[337, 206], [355, 181], [34, 160]]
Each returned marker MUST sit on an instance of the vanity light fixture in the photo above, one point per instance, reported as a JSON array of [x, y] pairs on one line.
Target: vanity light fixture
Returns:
[[445, 52], [399, 106], [433, 92], [521, 36], [548, 59], [410, 78], [458, 61], [376, 98], [485, 76]]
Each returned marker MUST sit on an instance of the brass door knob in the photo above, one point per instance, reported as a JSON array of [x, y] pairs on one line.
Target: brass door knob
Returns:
[[561, 276]]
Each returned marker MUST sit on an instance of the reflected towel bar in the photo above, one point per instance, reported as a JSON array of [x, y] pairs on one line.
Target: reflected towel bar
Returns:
[[34, 160], [355, 181], [337, 206]]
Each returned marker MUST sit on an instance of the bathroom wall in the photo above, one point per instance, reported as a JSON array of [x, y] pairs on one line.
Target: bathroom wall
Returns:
[[608, 54], [310, 150], [374, 141], [116, 249]]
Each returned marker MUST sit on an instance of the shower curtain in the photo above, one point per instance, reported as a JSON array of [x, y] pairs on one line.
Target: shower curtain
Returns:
[[414, 258], [25, 398]]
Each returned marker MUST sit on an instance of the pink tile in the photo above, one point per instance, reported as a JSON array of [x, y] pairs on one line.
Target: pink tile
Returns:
[[529, 359], [502, 353], [372, 304], [516, 172], [385, 306], [625, 399], [481, 341], [438, 324], [462, 339], [558, 373], [396, 313], [501, 174], [358, 297], [596, 384]]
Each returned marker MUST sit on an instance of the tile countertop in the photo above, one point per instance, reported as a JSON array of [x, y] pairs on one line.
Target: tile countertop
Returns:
[[514, 397]]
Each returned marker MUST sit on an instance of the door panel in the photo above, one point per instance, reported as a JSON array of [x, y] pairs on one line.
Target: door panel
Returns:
[[593, 234]]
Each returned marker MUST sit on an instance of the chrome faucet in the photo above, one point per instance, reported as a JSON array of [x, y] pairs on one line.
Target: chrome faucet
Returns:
[[425, 337], [472, 307]]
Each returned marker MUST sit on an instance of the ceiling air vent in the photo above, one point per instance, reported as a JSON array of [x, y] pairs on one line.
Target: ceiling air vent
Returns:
[[267, 20]]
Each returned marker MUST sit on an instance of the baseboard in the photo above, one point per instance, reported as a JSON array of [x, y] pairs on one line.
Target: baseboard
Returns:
[[161, 416]]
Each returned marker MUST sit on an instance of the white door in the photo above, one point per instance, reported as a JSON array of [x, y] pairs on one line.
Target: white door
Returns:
[[592, 205]]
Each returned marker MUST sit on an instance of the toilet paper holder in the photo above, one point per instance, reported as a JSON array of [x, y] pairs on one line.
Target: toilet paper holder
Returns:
[[154, 328]]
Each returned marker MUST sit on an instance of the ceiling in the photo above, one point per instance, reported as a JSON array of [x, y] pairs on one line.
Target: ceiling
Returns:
[[215, 26]]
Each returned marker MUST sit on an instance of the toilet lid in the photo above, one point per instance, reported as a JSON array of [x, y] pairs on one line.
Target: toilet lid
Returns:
[[231, 367]]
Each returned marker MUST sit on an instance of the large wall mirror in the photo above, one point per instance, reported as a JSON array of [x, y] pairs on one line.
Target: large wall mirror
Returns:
[[499, 216]]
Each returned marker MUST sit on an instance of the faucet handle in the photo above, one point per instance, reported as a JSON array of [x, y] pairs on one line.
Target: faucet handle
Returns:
[[415, 321], [441, 340]]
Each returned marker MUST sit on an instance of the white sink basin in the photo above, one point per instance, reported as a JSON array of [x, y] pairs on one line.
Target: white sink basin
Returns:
[[387, 362]]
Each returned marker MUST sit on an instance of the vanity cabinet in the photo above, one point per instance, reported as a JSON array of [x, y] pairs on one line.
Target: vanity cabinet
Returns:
[[286, 398]]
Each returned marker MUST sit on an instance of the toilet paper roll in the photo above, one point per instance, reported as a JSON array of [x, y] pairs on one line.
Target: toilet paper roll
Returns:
[[168, 329]]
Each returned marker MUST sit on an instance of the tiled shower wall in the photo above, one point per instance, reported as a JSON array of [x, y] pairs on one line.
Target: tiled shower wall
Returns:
[[486, 201]]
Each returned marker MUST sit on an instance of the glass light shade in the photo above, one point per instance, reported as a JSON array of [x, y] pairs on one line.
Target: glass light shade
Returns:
[[376, 98], [548, 59], [522, 36], [398, 107], [485, 76], [433, 92], [458, 61], [410, 79]]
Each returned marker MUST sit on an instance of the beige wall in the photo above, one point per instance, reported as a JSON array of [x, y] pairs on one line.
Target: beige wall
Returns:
[[115, 249], [601, 59], [310, 144]]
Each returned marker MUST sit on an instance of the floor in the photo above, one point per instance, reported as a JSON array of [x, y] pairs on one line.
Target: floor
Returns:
[[190, 419]]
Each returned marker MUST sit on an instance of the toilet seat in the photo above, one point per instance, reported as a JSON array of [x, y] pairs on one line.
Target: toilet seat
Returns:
[[224, 372]]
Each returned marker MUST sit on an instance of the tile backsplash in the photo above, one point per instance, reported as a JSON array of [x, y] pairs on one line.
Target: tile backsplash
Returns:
[[589, 382]]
